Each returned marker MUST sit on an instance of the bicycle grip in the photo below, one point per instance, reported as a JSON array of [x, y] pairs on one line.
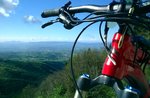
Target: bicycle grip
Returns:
[[50, 13]]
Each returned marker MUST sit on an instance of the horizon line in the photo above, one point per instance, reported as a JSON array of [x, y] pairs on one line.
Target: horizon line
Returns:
[[51, 41]]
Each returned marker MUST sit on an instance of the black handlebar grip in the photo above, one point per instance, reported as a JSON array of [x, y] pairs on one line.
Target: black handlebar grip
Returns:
[[49, 13]]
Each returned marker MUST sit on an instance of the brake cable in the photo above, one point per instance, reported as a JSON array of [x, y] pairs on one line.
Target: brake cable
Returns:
[[72, 51]]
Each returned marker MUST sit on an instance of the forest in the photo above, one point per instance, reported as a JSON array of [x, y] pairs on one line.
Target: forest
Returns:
[[17, 74]]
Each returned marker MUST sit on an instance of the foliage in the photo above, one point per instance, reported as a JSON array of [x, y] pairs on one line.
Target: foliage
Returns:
[[89, 61], [16, 75], [60, 84], [142, 31]]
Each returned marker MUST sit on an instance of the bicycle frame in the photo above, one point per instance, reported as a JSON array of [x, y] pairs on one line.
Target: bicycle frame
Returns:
[[123, 53], [121, 63]]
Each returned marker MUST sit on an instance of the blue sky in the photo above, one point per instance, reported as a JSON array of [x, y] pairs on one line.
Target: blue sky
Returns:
[[20, 20]]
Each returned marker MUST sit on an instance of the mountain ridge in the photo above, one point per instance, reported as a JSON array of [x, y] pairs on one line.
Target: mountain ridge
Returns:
[[15, 46]]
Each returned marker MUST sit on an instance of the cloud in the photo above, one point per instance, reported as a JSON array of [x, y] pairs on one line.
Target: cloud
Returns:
[[7, 7], [31, 19]]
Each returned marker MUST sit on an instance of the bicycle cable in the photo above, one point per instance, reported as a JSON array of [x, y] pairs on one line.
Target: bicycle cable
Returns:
[[72, 52]]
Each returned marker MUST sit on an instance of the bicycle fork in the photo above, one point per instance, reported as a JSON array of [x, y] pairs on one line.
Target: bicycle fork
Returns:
[[85, 83]]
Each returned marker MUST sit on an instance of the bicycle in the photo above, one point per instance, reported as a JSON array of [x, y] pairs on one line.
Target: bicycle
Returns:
[[129, 54]]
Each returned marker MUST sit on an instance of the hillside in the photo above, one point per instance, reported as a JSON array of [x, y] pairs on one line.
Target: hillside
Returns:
[[15, 75], [30, 63]]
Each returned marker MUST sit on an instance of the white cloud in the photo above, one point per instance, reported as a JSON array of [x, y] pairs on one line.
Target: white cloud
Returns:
[[7, 7], [3, 12], [31, 19]]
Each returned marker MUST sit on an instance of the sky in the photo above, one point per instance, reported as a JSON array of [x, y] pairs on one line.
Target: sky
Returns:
[[20, 20]]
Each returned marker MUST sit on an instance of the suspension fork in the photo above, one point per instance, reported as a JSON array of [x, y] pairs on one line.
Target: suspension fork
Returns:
[[85, 83]]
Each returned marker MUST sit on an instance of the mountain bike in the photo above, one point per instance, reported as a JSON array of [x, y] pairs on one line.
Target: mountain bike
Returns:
[[128, 54]]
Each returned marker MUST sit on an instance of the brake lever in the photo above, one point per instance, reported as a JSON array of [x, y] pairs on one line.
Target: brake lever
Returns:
[[50, 23], [66, 5]]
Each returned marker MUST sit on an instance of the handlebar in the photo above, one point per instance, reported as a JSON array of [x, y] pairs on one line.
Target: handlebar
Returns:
[[99, 9], [66, 13], [80, 9]]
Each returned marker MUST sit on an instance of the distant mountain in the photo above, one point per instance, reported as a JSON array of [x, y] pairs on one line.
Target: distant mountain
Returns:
[[15, 46]]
